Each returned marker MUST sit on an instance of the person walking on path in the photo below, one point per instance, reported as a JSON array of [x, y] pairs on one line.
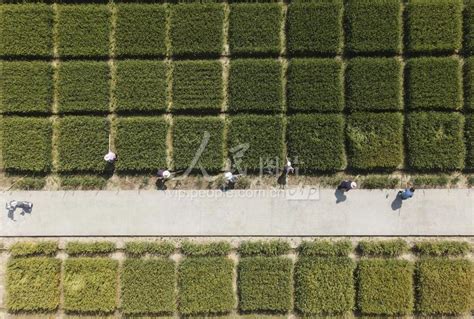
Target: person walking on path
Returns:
[[287, 169], [230, 180], [407, 193], [346, 185], [110, 157]]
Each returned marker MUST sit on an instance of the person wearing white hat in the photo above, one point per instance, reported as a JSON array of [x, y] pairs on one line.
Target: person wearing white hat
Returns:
[[347, 185], [164, 174], [110, 157], [230, 180]]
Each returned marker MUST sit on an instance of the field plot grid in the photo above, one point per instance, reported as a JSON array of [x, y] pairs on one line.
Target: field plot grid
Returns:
[[247, 279], [364, 86]]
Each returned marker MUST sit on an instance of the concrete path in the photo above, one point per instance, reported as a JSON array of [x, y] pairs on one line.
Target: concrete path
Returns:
[[306, 212]]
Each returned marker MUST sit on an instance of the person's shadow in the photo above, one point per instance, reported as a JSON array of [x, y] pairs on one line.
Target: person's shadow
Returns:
[[161, 184], [397, 202], [340, 196], [282, 180]]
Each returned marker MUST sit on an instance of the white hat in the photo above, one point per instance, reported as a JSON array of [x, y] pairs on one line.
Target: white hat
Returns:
[[353, 184], [227, 175], [166, 174], [288, 163]]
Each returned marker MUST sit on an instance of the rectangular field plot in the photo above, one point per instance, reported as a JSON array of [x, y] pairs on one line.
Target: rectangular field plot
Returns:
[[265, 284], [434, 26], [90, 285], [197, 85], [315, 27], [444, 286], [26, 87], [260, 137], [196, 29], [141, 144], [322, 134], [374, 84], [374, 26], [375, 140], [33, 284], [91, 39], [83, 86], [385, 287], [141, 86], [82, 143], [26, 145], [469, 84], [470, 141], [205, 286], [148, 286], [254, 28], [255, 85], [198, 141], [141, 30], [324, 285], [435, 141], [26, 30], [434, 83], [315, 85]]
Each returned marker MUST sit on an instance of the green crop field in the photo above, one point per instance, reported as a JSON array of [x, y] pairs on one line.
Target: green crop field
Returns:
[[318, 278], [359, 86]]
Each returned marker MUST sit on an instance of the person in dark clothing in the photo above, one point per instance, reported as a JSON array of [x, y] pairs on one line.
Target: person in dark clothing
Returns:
[[346, 185]]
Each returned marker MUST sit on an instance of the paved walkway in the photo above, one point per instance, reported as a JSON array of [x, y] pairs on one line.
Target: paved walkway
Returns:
[[308, 212]]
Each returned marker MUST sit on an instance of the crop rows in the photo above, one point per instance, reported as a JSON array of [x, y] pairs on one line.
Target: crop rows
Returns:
[[322, 280], [362, 85]]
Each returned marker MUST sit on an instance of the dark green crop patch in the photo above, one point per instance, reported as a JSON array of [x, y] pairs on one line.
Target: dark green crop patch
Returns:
[[435, 141], [315, 27], [265, 284], [141, 144], [469, 28], [375, 140], [92, 38], [141, 248], [255, 85], [141, 30], [470, 141], [434, 26], [33, 248], [254, 28], [205, 286], [315, 85], [325, 248], [26, 144], [82, 143], [217, 248], [197, 29], [198, 142], [26, 87], [444, 286], [442, 248], [374, 84], [322, 134], [32, 284], [260, 151], [374, 26], [269, 248], [324, 285], [434, 83], [26, 30], [90, 285], [77, 248], [385, 287], [148, 286], [385, 248], [469, 84], [141, 86], [197, 85], [83, 86]]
